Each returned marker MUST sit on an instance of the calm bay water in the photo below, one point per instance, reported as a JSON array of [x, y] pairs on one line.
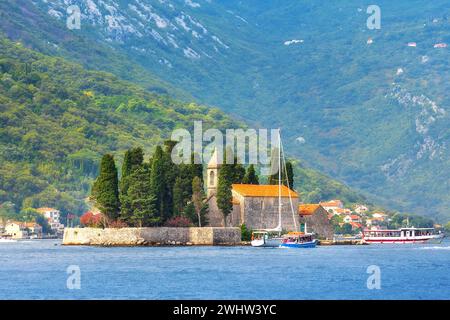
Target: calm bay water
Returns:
[[37, 270]]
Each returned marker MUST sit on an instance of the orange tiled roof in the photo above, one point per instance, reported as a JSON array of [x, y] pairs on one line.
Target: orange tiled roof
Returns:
[[31, 225], [331, 203], [45, 209], [307, 209], [265, 190]]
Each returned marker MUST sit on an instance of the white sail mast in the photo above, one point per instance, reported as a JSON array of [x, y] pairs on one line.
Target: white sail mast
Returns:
[[279, 178], [289, 187]]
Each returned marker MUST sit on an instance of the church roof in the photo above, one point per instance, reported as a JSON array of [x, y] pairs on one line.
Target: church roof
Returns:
[[307, 209], [264, 190]]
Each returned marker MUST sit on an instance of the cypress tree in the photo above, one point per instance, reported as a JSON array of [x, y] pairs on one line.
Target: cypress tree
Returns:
[[141, 198], [238, 172], [105, 190], [178, 197], [196, 169], [157, 182], [290, 175], [171, 172], [250, 176], [133, 160], [224, 195]]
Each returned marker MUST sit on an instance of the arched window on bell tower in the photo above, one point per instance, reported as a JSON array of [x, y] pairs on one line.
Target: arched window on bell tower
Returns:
[[212, 178], [213, 173]]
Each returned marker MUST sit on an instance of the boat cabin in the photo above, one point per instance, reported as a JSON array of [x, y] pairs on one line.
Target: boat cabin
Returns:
[[401, 233], [297, 237]]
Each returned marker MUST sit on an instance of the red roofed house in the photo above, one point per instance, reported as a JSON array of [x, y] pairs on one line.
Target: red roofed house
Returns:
[[352, 218], [333, 206], [356, 225], [256, 206]]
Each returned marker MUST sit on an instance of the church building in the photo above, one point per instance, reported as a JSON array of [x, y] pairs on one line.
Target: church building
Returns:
[[256, 206]]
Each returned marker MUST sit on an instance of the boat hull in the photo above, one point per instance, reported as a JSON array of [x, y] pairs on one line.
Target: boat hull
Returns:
[[267, 243], [403, 240], [311, 244]]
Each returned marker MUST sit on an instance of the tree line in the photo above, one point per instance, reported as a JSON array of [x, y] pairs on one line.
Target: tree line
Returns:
[[158, 192]]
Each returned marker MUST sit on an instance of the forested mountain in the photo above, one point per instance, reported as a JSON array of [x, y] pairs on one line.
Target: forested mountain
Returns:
[[360, 105], [57, 120]]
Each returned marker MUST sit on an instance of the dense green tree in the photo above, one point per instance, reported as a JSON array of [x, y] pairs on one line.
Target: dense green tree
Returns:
[[196, 168], [289, 175], [7, 211], [171, 172], [133, 160], [238, 172], [105, 190], [224, 195], [250, 176], [157, 182], [142, 198], [179, 199], [189, 212]]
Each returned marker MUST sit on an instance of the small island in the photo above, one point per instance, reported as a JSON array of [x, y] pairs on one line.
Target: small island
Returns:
[[157, 202]]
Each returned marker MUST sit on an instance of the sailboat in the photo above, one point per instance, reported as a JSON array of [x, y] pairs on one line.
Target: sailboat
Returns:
[[272, 237]]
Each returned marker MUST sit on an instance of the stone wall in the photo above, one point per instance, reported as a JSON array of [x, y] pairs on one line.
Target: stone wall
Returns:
[[262, 213], [256, 213], [215, 216], [151, 236]]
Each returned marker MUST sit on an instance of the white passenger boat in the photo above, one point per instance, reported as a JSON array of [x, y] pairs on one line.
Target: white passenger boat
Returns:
[[403, 235], [266, 238]]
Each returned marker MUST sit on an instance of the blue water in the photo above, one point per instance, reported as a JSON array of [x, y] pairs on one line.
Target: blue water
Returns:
[[37, 270]]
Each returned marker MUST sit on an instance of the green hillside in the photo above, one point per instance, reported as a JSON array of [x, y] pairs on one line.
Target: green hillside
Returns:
[[57, 119], [374, 115]]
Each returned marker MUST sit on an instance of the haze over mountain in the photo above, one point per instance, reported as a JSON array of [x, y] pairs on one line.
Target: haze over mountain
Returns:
[[374, 114]]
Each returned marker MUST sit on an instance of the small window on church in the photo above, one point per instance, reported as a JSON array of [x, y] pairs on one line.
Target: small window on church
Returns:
[[211, 178]]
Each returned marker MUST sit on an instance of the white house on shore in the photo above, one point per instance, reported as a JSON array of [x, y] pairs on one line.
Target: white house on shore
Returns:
[[53, 217]]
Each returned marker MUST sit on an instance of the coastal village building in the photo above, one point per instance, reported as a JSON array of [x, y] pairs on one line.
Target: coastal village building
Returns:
[[22, 230], [333, 206], [352, 218], [256, 206], [360, 209], [15, 230], [379, 216], [50, 213], [34, 229], [53, 218], [314, 218]]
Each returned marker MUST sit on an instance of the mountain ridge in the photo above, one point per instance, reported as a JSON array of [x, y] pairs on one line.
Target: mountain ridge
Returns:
[[336, 95]]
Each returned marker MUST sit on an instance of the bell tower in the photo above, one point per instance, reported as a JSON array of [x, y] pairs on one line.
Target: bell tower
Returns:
[[212, 176]]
